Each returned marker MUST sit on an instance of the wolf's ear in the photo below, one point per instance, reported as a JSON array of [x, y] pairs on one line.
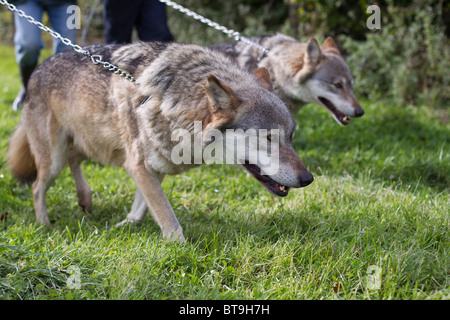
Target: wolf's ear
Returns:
[[313, 52], [311, 60], [330, 45], [220, 96], [262, 76]]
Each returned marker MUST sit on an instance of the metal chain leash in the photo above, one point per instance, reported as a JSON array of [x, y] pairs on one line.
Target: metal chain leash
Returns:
[[96, 59], [229, 32]]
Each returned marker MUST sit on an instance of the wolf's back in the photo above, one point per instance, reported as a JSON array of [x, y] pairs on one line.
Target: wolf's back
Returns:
[[20, 158]]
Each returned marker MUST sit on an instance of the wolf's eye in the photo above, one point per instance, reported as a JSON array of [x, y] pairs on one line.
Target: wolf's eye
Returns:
[[338, 85]]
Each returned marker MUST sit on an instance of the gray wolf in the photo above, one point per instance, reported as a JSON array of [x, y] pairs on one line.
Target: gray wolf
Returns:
[[302, 72], [76, 110]]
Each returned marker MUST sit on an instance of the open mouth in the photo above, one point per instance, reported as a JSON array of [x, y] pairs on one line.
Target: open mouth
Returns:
[[339, 116], [270, 184]]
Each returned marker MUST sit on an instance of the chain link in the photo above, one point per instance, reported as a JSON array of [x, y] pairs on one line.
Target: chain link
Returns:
[[96, 59], [229, 32]]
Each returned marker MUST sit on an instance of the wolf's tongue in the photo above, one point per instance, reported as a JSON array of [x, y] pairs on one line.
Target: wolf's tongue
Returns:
[[270, 184], [252, 167], [273, 186], [343, 119]]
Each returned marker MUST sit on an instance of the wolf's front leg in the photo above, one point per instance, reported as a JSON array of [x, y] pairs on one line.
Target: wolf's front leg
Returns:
[[149, 188]]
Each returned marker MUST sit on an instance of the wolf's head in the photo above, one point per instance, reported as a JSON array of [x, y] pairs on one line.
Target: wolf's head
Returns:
[[317, 75], [241, 111]]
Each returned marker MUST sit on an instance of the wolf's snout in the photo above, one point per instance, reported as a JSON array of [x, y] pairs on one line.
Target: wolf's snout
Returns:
[[306, 178], [359, 112]]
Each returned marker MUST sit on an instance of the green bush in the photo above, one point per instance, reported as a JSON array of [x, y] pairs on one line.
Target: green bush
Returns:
[[250, 18], [408, 60]]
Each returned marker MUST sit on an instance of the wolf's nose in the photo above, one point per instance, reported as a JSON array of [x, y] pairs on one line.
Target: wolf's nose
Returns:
[[305, 179], [359, 112]]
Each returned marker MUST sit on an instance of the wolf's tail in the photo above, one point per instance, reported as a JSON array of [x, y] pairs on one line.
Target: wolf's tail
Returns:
[[20, 158]]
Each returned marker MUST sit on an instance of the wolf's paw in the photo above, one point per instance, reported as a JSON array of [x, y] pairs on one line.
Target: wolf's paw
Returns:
[[128, 221], [85, 201], [176, 235], [45, 221]]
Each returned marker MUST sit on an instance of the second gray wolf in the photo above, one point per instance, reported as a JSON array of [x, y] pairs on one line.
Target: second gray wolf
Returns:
[[301, 72], [75, 110]]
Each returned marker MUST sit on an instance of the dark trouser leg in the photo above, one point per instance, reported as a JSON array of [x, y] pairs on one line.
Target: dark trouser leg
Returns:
[[119, 19], [152, 22]]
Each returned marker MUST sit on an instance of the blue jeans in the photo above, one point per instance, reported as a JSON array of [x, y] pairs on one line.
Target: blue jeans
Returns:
[[27, 39]]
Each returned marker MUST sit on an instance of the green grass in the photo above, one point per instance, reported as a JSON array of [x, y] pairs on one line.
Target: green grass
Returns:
[[380, 198]]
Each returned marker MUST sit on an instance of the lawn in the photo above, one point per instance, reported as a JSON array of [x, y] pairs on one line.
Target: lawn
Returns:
[[373, 225]]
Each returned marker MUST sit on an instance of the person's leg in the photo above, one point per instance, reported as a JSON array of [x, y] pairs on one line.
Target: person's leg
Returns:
[[152, 22], [27, 45], [58, 17], [119, 19]]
